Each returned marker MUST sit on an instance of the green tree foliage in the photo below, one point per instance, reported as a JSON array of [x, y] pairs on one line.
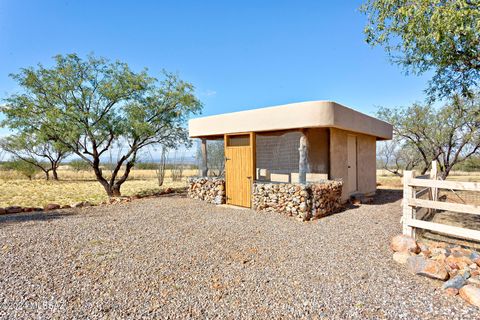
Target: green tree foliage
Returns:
[[25, 168], [448, 134], [423, 35], [34, 149], [91, 105]]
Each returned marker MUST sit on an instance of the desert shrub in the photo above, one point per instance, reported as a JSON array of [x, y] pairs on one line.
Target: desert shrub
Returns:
[[26, 169], [160, 169], [146, 166], [177, 167], [469, 165], [79, 165]]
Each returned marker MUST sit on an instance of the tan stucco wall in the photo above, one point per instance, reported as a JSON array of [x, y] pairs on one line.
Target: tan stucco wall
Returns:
[[318, 142], [366, 160], [338, 157]]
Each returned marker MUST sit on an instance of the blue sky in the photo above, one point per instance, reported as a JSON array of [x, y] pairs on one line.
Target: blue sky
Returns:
[[238, 54]]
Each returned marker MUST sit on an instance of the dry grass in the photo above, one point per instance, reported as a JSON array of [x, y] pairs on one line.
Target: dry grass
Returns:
[[67, 174], [75, 187], [387, 180]]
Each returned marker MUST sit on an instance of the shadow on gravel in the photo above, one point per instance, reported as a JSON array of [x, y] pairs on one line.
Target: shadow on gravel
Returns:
[[8, 219], [385, 196]]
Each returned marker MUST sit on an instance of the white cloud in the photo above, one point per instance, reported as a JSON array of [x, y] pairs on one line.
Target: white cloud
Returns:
[[210, 93]]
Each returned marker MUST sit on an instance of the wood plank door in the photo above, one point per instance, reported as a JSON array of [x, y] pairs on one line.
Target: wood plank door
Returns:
[[239, 169], [352, 163]]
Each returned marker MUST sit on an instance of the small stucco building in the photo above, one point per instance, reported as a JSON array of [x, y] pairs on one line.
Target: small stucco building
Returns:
[[298, 143]]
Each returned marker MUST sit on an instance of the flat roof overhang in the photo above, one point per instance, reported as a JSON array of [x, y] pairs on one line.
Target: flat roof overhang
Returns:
[[311, 114]]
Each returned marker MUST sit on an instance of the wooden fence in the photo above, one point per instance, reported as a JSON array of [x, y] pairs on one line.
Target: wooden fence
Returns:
[[412, 202]]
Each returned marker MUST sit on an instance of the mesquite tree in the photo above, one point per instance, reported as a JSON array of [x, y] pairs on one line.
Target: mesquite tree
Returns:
[[442, 36], [449, 134], [93, 105], [396, 155], [37, 151]]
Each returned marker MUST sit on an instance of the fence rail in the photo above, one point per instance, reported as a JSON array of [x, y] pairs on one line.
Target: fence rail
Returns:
[[411, 204]]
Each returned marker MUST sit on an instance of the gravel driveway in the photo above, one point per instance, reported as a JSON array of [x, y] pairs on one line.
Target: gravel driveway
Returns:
[[179, 258]]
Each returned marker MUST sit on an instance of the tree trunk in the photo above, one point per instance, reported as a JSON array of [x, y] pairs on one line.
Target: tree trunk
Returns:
[[112, 188], [116, 185], [116, 191], [47, 175], [444, 172], [424, 169], [55, 174], [112, 191], [100, 178]]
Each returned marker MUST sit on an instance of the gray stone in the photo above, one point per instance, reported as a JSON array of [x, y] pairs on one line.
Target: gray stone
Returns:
[[456, 282], [474, 255]]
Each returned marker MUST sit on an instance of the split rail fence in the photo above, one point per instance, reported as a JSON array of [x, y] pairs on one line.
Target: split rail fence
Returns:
[[414, 201]]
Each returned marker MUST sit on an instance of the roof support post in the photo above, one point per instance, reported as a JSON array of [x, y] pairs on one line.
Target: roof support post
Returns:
[[204, 166], [303, 158]]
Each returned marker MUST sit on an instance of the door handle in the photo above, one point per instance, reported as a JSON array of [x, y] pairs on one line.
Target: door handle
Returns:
[[249, 177]]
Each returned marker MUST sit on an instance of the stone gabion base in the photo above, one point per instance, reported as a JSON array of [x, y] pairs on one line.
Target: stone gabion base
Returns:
[[289, 199], [326, 198], [209, 189], [305, 202], [301, 201]]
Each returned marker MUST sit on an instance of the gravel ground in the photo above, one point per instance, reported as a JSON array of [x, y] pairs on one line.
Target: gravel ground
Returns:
[[179, 258]]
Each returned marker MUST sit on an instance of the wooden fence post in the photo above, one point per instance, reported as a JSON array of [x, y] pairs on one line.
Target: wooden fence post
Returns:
[[408, 211], [433, 176]]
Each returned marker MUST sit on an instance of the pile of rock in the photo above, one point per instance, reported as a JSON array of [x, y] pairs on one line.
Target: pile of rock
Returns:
[[304, 202], [209, 189], [457, 266], [19, 209], [289, 199], [326, 198]]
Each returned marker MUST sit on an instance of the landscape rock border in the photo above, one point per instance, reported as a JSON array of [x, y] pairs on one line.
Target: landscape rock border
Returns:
[[81, 204], [458, 267]]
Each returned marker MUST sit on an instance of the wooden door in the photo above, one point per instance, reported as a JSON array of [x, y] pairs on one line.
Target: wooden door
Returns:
[[239, 169], [352, 163]]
